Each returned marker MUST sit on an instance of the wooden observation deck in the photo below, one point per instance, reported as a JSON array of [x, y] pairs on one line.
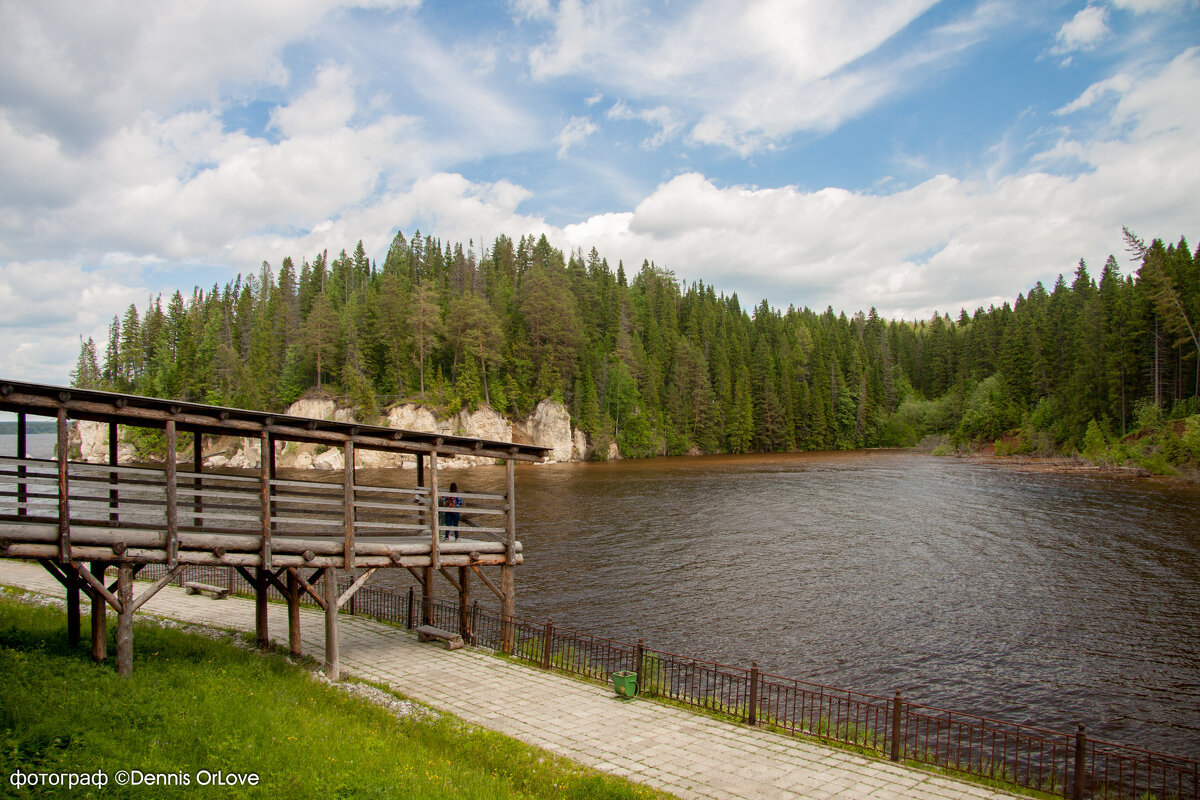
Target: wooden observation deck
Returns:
[[79, 520]]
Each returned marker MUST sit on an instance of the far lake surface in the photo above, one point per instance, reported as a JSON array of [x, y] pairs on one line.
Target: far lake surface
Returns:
[[1037, 598]]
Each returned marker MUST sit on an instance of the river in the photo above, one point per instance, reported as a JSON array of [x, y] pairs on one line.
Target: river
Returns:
[[1036, 598]]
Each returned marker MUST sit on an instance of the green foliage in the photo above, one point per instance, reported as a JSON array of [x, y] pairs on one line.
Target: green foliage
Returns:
[[658, 366], [1095, 443], [196, 704]]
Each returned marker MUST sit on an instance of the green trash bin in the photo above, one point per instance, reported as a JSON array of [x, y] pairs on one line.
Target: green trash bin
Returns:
[[625, 683]]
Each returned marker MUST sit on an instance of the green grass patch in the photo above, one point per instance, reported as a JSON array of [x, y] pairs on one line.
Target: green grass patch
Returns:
[[196, 704]]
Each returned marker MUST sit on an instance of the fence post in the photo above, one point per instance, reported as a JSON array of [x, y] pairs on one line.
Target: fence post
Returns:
[[1080, 757], [408, 617], [752, 715], [897, 704], [547, 643], [639, 655], [474, 621]]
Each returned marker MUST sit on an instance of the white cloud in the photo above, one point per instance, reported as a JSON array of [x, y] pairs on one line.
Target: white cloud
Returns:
[[1083, 32], [661, 117], [48, 305], [1147, 6], [748, 74], [577, 130], [1116, 85], [945, 243]]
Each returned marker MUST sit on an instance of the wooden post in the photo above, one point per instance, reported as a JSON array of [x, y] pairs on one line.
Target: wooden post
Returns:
[[114, 496], [64, 501], [752, 712], [172, 496], [1077, 786], [427, 595], [21, 472], [125, 619], [266, 460], [464, 605], [408, 618], [507, 608], [261, 634], [510, 503], [348, 503], [72, 603], [639, 662], [293, 604], [197, 481], [99, 616], [435, 560], [420, 485], [897, 710], [331, 624]]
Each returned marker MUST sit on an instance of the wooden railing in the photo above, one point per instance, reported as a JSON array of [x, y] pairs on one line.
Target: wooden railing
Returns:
[[157, 508]]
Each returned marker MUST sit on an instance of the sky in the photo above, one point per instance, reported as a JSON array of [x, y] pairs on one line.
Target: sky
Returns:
[[911, 156]]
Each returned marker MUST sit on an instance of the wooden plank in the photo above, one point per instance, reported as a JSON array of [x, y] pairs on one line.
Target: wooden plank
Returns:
[[348, 502], [157, 585], [114, 494], [97, 586], [196, 587], [264, 462], [306, 586], [450, 578], [510, 497], [433, 507], [21, 443], [429, 633], [354, 587], [172, 497], [487, 582], [64, 497]]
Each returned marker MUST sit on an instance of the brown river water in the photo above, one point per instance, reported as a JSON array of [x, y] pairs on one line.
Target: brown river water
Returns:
[[1035, 598], [1043, 599]]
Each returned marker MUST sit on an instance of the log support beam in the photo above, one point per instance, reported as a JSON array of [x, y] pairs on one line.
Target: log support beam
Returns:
[[125, 619], [293, 605], [99, 613], [507, 607], [466, 621], [332, 666]]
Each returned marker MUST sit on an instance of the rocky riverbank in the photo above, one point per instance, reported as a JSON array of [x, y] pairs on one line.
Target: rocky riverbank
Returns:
[[548, 426]]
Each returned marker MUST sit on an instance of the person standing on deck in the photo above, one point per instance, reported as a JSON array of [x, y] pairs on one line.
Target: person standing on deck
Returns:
[[449, 519]]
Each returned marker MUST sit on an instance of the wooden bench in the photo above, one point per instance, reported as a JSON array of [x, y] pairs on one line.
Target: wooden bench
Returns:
[[427, 633], [194, 587]]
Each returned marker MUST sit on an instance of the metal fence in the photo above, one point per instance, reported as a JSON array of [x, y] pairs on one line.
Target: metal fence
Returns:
[[1064, 764]]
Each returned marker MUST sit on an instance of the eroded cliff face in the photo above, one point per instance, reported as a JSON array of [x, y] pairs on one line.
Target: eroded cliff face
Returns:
[[549, 426]]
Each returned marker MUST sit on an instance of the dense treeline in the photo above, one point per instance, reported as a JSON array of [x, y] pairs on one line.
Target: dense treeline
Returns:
[[662, 367]]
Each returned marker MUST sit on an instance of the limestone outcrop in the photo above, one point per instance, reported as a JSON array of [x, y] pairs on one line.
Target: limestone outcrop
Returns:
[[548, 426]]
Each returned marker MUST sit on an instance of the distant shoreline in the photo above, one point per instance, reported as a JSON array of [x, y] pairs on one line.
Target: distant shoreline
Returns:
[[40, 426]]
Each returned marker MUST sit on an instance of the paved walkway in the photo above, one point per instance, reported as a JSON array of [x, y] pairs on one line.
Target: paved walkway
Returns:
[[687, 754]]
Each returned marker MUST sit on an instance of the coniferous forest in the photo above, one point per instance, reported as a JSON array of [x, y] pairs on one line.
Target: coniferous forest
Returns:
[[1104, 365]]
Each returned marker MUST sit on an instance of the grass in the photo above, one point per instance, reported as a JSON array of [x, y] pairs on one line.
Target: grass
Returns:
[[195, 704]]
